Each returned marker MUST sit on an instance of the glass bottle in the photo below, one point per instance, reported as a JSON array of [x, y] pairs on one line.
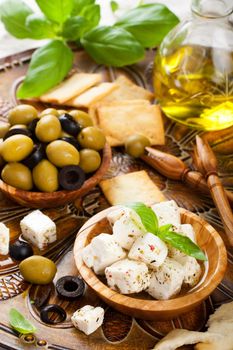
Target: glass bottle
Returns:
[[193, 70]]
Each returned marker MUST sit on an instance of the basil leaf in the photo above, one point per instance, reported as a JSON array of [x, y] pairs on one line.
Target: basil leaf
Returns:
[[182, 243], [114, 6], [112, 46], [56, 10], [19, 322], [147, 216], [78, 5], [40, 26], [49, 65], [13, 14], [74, 27], [165, 227], [148, 23], [92, 14]]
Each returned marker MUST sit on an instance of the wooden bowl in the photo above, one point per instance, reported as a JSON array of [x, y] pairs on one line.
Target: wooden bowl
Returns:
[[58, 198], [207, 238]]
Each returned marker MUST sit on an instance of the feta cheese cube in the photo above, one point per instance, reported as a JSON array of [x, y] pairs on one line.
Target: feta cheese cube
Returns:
[[167, 213], [188, 231], [128, 276], [4, 239], [192, 271], [38, 229], [167, 280], [127, 229], [150, 249], [116, 214], [177, 255], [88, 318], [88, 256], [103, 251]]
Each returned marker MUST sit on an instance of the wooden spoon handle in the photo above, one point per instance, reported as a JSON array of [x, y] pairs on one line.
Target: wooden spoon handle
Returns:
[[220, 199]]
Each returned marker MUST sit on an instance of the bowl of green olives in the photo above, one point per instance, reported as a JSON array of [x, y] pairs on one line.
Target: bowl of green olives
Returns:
[[50, 158]]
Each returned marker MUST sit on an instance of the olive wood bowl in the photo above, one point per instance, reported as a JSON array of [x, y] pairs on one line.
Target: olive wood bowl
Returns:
[[58, 198], [140, 306]]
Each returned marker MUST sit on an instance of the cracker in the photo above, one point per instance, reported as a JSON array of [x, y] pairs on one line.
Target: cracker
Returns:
[[71, 87], [127, 90], [132, 187], [92, 111], [92, 95], [119, 121], [180, 337]]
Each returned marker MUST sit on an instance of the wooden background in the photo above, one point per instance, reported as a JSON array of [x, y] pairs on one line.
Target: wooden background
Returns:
[[118, 331]]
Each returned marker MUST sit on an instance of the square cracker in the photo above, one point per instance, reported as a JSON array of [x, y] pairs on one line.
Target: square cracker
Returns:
[[127, 90], [132, 187], [92, 110], [119, 121], [71, 87], [93, 95]]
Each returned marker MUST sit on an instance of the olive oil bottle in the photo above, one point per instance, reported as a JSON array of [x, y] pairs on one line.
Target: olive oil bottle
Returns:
[[193, 70]]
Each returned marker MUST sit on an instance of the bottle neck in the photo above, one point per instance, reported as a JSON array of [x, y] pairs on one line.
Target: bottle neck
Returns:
[[212, 9]]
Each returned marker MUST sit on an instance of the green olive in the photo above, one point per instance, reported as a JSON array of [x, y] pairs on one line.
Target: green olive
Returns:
[[90, 160], [135, 145], [2, 162], [62, 153], [18, 126], [17, 175], [51, 111], [82, 118], [22, 114], [16, 148], [92, 137], [65, 134], [45, 176], [48, 128], [37, 269], [61, 111], [4, 127]]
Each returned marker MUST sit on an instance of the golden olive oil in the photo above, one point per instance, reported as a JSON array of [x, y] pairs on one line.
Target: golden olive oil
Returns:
[[194, 85]]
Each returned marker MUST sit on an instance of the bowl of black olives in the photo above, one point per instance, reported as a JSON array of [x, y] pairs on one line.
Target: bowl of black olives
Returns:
[[51, 158]]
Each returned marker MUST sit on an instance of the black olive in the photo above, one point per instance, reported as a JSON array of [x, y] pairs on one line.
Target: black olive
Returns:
[[72, 141], [52, 308], [71, 177], [17, 131], [32, 126], [70, 287], [20, 250], [69, 124], [35, 157]]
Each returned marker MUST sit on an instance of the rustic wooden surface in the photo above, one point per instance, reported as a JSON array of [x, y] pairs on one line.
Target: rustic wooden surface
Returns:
[[118, 331]]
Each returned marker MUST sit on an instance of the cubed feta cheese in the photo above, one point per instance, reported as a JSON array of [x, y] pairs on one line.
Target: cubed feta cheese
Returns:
[[128, 276], [88, 256], [38, 229], [150, 249], [127, 229], [103, 251], [192, 271], [88, 318], [116, 214], [188, 231], [167, 280], [4, 239], [167, 213], [177, 255]]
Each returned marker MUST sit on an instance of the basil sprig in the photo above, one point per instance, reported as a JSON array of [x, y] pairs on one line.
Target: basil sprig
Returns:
[[176, 240], [78, 21], [20, 323]]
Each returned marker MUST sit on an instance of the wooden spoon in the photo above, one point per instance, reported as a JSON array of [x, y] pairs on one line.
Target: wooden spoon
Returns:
[[209, 168], [175, 169]]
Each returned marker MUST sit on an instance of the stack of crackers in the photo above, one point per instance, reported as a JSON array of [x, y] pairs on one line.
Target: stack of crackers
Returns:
[[120, 108]]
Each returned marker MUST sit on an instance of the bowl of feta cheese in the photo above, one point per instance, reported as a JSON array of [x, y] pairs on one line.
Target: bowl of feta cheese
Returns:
[[152, 262]]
